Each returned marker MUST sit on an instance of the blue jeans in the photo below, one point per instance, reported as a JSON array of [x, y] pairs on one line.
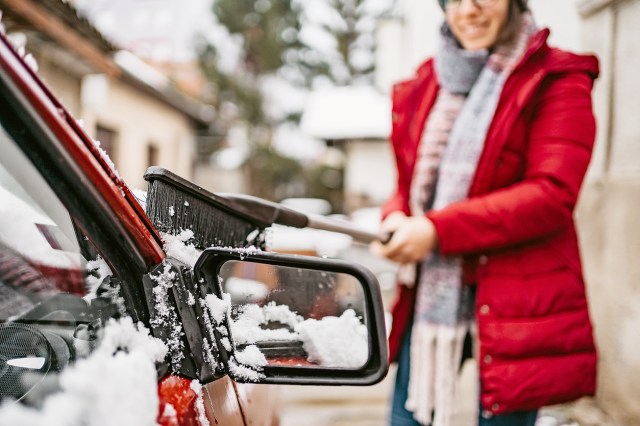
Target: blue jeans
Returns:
[[400, 416]]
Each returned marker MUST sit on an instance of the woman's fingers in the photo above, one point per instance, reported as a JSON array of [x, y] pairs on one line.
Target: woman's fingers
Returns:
[[412, 240], [392, 221]]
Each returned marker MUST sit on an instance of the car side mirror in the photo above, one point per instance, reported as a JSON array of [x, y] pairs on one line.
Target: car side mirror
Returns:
[[293, 319]]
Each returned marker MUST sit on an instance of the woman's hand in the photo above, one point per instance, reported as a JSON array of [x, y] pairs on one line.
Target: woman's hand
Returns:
[[413, 238]]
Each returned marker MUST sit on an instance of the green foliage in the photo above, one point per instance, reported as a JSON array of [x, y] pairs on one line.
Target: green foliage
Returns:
[[268, 29], [325, 182], [347, 36], [237, 89], [352, 29], [274, 176]]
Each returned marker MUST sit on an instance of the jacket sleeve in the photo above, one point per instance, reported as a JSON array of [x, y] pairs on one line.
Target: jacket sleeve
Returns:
[[561, 135], [395, 203], [399, 199]]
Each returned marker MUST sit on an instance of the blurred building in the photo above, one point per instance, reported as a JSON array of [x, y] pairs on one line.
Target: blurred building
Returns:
[[355, 122], [165, 33], [610, 203], [137, 115]]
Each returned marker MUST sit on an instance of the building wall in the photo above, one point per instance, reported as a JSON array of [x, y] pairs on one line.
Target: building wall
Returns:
[[64, 84], [607, 213], [137, 119], [369, 173], [217, 179], [140, 122]]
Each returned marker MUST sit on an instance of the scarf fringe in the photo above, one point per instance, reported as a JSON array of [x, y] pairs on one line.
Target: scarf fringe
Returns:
[[432, 380]]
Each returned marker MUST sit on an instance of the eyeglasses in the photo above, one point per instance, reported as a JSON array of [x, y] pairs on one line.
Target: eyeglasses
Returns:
[[455, 4]]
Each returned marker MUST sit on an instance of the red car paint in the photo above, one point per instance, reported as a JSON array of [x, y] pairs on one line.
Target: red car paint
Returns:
[[177, 392]]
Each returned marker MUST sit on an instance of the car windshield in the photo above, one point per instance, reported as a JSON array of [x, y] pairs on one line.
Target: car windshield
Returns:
[[55, 290]]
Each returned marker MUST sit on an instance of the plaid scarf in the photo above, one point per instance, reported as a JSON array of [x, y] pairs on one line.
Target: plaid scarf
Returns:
[[452, 141]]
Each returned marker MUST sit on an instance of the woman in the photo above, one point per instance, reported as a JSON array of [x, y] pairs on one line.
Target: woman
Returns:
[[492, 140]]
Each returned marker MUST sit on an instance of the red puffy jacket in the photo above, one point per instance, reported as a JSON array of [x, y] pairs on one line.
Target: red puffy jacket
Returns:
[[516, 230]]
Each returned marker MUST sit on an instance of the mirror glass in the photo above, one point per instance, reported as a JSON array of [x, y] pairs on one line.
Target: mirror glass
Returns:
[[297, 316]]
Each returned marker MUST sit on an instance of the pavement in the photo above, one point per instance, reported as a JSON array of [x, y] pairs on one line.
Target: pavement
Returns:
[[369, 405], [362, 406]]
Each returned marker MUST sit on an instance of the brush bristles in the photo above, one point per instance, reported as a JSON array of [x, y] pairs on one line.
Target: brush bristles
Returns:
[[172, 211]]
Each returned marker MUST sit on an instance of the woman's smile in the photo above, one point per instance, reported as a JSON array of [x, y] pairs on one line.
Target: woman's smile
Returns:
[[477, 27]]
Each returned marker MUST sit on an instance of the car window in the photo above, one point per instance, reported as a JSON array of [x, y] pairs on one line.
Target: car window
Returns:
[[55, 291]]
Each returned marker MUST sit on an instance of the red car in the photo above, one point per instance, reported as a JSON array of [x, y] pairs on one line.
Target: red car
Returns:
[[108, 317]]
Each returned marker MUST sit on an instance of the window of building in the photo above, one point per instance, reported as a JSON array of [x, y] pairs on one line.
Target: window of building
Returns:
[[153, 155], [108, 141]]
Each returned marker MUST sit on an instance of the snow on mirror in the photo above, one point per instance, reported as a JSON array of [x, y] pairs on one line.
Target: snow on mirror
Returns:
[[297, 316]]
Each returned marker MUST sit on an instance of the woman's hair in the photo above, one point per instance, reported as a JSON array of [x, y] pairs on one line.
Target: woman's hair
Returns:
[[522, 4], [514, 20]]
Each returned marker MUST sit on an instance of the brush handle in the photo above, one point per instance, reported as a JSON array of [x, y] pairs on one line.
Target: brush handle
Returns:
[[269, 213], [344, 227], [264, 211]]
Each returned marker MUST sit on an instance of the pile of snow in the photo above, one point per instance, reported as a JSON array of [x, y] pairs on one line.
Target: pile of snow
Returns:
[[200, 411], [246, 329], [218, 308], [335, 341], [330, 342], [247, 364], [97, 270], [116, 385], [165, 314], [178, 247], [244, 364]]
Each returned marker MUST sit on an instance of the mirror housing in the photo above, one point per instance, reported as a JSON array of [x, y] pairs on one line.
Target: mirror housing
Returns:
[[213, 267]]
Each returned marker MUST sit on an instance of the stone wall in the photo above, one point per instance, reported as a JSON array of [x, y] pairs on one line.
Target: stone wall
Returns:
[[608, 212]]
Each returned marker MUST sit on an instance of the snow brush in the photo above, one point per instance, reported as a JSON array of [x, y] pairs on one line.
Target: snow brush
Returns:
[[174, 204]]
